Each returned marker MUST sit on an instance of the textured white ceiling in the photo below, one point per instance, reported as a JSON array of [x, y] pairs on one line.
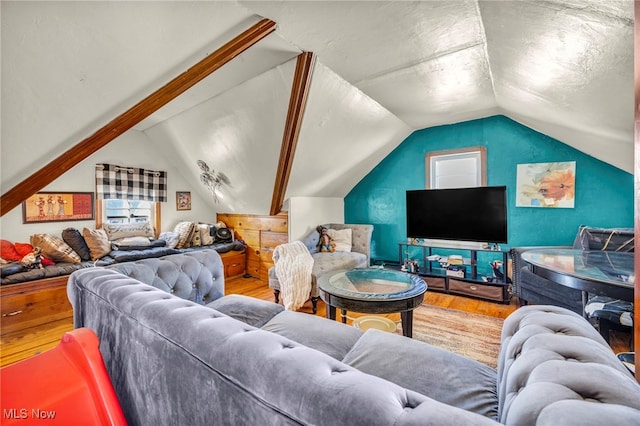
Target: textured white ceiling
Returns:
[[384, 68]]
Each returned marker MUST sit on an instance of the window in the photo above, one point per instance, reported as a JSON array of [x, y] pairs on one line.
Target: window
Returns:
[[457, 168], [115, 211], [128, 211], [129, 195]]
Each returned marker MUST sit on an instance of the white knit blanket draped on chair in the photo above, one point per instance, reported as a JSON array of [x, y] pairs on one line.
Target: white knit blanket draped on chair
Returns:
[[293, 264]]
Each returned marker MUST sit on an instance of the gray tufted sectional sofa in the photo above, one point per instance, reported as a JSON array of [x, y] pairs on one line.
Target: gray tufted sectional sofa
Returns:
[[242, 361]]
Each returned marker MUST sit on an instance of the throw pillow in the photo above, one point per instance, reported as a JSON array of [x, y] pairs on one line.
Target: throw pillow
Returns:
[[206, 239], [311, 241], [185, 230], [8, 251], [341, 238], [171, 238], [23, 249], [54, 248], [97, 241], [130, 246], [132, 241], [76, 241], [195, 237], [124, 230]]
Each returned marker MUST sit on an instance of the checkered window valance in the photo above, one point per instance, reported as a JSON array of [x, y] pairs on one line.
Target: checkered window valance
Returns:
[[130, 183]]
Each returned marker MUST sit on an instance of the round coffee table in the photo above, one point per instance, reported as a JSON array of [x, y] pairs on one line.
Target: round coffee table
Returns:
[[373, 291]]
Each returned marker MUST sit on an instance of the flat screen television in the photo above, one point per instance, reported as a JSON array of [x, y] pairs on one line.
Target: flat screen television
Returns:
[[476, 214]]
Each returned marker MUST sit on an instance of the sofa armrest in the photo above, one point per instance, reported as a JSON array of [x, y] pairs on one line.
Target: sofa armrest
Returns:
[[554, 368]]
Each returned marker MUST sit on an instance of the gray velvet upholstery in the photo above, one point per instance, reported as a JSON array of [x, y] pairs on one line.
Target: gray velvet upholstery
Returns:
[[554, 368], [174, 362], [249, 310], [359, 257], [448, 378], [331, 337], [197, 276]]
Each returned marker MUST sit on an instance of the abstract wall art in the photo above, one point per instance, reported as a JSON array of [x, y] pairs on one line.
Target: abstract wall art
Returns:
[[546, 185]]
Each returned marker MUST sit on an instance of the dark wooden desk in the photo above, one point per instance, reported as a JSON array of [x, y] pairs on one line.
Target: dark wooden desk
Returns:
[[603, 273]]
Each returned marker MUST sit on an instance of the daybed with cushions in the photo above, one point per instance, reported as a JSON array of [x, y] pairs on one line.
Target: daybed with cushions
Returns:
[[175, 361], [37, 298], [112, 244]]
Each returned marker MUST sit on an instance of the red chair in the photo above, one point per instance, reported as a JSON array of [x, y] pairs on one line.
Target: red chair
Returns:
[[68, 385]]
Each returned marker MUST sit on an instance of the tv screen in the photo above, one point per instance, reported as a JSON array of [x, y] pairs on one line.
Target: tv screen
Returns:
[[463, 214]]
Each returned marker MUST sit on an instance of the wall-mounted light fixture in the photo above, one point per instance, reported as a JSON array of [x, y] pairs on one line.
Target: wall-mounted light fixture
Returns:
[[212, 180]]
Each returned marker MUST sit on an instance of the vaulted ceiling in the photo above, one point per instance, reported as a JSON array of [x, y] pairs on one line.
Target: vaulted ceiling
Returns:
[[383, 69]]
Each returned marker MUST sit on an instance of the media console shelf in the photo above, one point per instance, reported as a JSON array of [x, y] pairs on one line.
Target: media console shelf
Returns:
[[434, 271]]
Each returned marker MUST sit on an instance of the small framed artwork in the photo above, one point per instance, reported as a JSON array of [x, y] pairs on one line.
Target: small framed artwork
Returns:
[[58, 207], [183, 200]]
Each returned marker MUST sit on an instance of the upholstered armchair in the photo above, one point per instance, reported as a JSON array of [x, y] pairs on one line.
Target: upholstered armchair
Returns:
[[358, 257]]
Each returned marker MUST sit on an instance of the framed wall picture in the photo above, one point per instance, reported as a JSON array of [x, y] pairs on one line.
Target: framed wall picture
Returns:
[[546, 185], [58, 207], [183, 200]]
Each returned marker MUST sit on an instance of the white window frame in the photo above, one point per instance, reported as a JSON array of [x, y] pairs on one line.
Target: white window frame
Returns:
[[436, 158], [101, 215]]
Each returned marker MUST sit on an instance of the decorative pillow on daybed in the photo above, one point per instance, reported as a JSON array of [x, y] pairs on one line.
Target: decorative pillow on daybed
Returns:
[[185, 230], [170, 238], [76, 241], [97, 241], [8, 251], [132, 255], [207, 233], [195, 237], [125, 230], [54, 248], [341, 238], [136, 243]]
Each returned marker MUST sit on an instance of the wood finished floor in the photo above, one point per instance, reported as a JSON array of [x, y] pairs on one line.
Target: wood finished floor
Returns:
[[620, 341], [255, 288]]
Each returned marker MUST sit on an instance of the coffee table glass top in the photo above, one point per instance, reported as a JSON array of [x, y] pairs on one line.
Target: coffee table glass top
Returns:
[[372, 284]]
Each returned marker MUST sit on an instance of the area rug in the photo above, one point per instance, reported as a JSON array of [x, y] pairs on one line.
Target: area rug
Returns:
[[472, 335]]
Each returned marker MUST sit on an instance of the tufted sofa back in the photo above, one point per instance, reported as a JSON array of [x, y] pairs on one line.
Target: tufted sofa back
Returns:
[[554, 368], [172, 362], [196, 276]]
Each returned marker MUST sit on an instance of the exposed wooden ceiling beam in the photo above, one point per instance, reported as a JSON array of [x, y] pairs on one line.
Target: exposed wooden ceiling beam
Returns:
[[135, 115], [297, 103]]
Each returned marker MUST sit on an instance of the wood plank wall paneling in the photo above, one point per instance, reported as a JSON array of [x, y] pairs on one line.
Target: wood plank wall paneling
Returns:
[[262, 234]]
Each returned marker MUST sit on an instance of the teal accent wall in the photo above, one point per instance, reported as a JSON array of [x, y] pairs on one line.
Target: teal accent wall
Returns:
[[603, 198]]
